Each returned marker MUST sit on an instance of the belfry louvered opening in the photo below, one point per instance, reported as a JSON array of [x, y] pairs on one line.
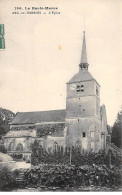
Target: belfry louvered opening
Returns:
[[80, 88]]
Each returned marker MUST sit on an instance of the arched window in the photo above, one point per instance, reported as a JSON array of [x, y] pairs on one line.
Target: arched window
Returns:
[[19, 147], [85, 66], [92, 146], [80, 88], [92, 134], [11, 146], [83, 134], [55, 146], [92, 141], [49, 149], [77, 145]]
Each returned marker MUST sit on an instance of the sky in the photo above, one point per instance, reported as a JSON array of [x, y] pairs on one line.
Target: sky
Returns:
[[43, 52]]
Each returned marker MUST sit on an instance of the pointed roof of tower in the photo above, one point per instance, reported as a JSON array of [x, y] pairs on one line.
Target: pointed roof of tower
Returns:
[[84, 53], [83, 62], [83, 74]]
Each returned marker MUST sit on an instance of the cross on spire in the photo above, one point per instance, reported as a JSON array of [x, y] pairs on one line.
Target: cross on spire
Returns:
[[83, 63]]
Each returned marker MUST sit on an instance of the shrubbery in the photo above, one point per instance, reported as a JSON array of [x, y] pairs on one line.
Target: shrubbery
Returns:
[[2, 147], [17, 156], [39, 155], [7, 179], [62, 176], [116, 137], [5, 117]]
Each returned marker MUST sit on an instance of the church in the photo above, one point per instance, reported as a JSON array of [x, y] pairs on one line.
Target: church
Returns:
[[83, 124]]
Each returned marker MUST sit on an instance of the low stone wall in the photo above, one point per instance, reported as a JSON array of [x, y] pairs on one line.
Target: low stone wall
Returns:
[[110, 147]]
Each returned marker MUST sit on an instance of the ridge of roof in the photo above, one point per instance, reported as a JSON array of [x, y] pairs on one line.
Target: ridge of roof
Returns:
[[42, 111]]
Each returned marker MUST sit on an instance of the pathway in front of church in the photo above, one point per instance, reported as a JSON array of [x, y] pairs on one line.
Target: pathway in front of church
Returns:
[[22, 165], [72, 189]]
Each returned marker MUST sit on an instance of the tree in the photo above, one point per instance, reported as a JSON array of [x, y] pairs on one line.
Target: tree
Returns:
[[7, 179], [5, 117], [2, 147], [109, 129], [34, 154], [117, 131]]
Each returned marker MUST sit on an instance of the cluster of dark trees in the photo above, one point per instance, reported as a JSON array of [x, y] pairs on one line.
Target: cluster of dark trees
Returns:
[[7, 179], [116, 135], [5, 117]]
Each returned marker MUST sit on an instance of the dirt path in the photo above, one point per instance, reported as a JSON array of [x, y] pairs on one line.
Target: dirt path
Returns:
[[22, 165], [79, 189]]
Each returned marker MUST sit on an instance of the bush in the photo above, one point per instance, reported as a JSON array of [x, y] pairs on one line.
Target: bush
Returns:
[[7, 179], [61, 176], [2, 147], [39, 155], [16, 156], [117, 131]]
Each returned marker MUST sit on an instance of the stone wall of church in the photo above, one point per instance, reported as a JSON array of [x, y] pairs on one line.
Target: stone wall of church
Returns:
[[18, 144], [48, 135], [103, 127], [83, 104], [88, 86], [51, 136], [53, 143], [81, 107], [54, 129], [84, 133]]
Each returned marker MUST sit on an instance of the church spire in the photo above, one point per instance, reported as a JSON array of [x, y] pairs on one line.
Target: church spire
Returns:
[[83, 63]]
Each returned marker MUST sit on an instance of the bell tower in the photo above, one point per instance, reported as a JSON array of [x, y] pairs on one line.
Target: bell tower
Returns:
[[83, 107]]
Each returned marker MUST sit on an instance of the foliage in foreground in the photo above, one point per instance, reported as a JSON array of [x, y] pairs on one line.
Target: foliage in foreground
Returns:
[[116, 136], [5, 117], [7, 179], [39, 155], [62, 176], [54, 169], [2, 147]]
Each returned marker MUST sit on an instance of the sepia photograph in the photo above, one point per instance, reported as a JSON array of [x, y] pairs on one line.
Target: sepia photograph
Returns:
[[60, 96]]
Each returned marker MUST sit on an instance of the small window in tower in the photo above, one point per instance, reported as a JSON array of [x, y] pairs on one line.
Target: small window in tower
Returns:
[[85, 66], [96, 90], [78, 120], [80, 88], [84, 134]]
